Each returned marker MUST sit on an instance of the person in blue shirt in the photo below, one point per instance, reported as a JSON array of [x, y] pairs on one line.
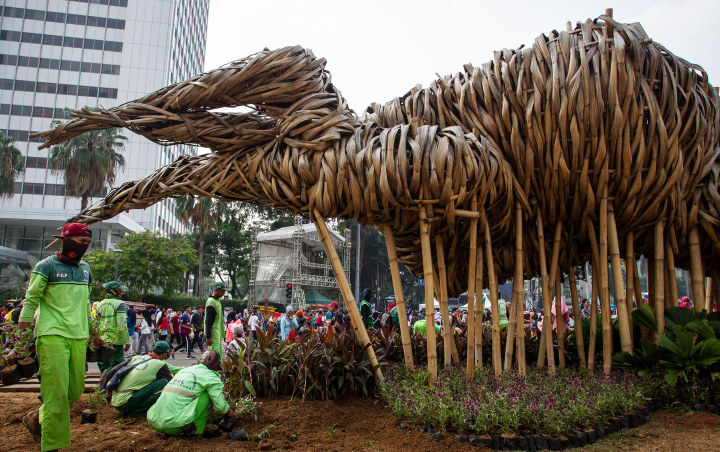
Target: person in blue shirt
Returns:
[[287, 324], [131, 321]]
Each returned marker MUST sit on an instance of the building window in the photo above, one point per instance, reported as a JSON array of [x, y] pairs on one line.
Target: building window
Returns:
[[65, 41], [52, 88], [36, 162]]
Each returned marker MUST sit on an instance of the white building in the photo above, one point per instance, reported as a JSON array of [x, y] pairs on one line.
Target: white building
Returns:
[[57, 54]]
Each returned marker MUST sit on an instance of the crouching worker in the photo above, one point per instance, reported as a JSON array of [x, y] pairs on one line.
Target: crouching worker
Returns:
[[184, 405], [140, 388]]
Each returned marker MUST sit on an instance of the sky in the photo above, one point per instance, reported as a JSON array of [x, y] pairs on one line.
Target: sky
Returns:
[[378, 50]]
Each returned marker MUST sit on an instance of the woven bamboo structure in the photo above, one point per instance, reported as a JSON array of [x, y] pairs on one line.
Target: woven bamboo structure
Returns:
[[589, 128]]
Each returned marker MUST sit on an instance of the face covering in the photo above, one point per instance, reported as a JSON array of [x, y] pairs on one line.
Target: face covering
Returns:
[[71, 251]]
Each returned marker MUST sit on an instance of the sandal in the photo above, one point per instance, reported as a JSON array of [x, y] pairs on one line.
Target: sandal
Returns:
[[36, 435]]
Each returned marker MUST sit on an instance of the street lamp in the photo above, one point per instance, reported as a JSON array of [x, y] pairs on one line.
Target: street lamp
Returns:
[[117, 252]]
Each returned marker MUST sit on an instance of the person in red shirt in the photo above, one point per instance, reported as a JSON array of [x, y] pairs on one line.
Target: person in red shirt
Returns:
[[175, 332]]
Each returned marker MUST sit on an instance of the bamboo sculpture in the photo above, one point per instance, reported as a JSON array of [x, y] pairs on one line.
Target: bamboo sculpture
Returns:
[[587, 116]]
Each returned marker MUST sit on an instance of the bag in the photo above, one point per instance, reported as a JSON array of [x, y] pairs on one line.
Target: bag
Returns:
[[384, 319], [114, 382], [108, 374]]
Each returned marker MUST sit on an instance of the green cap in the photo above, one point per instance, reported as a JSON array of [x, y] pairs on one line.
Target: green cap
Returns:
[[114, 285], [161, 347], [218, 285]]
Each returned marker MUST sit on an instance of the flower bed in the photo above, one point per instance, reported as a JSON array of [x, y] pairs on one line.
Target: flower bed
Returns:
[[539, 403]]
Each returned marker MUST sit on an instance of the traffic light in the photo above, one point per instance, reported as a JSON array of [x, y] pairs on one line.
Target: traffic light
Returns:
[[288, 292]]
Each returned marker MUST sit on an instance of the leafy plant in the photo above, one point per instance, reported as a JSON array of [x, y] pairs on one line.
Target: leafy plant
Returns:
[[96, 398], [22, 341], [247, 407]]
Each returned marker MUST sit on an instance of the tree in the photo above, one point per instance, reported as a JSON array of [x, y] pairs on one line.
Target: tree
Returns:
[[11, 165], [231, 243], [203, 214], [89, 161], [148, 262]]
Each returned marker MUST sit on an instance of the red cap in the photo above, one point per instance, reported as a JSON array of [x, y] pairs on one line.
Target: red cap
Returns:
[[75, 230], [300, 314], [334, 304]]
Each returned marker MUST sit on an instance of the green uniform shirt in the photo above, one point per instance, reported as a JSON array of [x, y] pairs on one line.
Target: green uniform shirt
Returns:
[[421, 327], [138, 378], [366, 314], [502, 314], [394, 319], [113, 312], [62, 293], [177, 403], [218, 328]]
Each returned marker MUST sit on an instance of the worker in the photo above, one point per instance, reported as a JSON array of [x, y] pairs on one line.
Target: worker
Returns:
[[214, 325], [184, 405], [142, 386], [60, 287], [112, 314], [366, 309], [421, 327]]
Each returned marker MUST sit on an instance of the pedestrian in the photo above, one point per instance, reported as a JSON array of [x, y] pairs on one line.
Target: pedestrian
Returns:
[[254, 322], [60, 287], [162, 325], [131, 324], [232, 324], [287, 324], [185, 328], [198, 324], [366, 310], [184, 405], [145, 333], [174, 333], [214, 327], [112, 314]]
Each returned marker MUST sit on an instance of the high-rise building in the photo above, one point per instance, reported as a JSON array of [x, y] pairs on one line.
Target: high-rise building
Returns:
[[57, 54]]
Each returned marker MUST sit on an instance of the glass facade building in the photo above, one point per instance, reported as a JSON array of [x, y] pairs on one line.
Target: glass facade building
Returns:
[[57, 54]]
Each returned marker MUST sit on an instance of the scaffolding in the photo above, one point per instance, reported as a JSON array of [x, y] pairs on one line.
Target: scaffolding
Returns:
[[293, 255]]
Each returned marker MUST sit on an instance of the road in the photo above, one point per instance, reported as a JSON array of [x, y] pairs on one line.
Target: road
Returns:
[[179, 361]]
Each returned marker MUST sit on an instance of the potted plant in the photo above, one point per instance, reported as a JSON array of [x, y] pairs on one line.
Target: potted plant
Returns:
[[95, 398], [24, 345], [102, 352]]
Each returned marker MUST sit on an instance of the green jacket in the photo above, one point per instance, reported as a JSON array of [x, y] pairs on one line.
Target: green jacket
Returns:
[[502, 314], [150, 370], [394, 319], [421, 327], [112, 312], [366, 314], [62, 293], [217, 331], [177, 403]]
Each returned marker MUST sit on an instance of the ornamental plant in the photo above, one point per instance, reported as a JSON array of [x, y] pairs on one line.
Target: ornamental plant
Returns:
[[22, 341]]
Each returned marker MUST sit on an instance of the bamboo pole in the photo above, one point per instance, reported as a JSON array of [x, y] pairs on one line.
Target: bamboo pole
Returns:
[[442, 275], [630, 278], [510, 338], [715, 273], [346, 292], [559, 321], [519, 281], [492, 284], [708, 293], [620, 301], [479, 306], [696, 270], [546, 342], [671, 277], [579, 338], [595, 252], [659, 280], [605, 285], [399, 297], [429, 295], [644, 332], [470, 364]]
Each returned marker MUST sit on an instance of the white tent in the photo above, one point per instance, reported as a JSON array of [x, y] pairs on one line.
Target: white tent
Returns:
[[437, 305]]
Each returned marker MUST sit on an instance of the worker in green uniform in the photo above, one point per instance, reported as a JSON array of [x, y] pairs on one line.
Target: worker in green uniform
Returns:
[[421, 327], [60, 287], [366, 308], [142, 386], [214, 325], [112, 313], [184, 405]]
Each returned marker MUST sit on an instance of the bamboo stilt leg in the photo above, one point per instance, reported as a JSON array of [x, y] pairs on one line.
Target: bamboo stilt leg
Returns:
[[595, 250], [520, 296], [630, 279], [708, 293], [399, 297], [605, 285], [510, 339], [620, 302], [346, 292], [492, 283], [429, 295], [479, 307], [696, 271], [559, 321], [659, 268], [442, 275], [470, 364], [671, 277], [667, 299], [546, 339], [636, 283], [578, 319], [715, 272]]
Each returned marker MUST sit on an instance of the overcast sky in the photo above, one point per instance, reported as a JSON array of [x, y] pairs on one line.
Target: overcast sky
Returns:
[[378, 50]]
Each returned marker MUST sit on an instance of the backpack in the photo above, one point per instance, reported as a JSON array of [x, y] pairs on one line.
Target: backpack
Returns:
[[114, 382]]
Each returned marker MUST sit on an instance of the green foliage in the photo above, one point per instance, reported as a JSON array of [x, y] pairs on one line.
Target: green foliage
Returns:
[[247, 407], [11, 165], [173, 300], [96, 398], [89, 161], [539, 403], [148, 262], [22, 341]]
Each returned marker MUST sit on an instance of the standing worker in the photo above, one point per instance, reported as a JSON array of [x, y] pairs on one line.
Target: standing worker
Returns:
[[214, 326], [366, 310], [60, 287], [113, 314]]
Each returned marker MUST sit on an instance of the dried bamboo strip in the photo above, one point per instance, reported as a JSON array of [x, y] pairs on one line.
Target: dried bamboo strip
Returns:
[[671, 297], [479, 306], [546, 339], [620, 301], [579, 338], [605, 285], [630, 269], [659, 284], [696, 270], [519, 288], [708, 293], [429, 295], [470, 365], [399, 297]]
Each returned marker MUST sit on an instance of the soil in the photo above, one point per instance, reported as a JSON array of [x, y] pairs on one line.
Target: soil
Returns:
[[349, 424]]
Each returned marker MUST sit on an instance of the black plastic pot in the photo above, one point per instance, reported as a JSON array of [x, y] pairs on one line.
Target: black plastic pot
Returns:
[[483, 440], [91, 355], [105, 353], [10, 375], [590, 436], [227, 424], [530, 439], [88, 417], [28, 367], [541, 442], [508, 442], [497, 442], [601, 432], [554, 443]]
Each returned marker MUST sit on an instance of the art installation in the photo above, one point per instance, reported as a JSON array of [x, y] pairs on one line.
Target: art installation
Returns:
[[593, 144]]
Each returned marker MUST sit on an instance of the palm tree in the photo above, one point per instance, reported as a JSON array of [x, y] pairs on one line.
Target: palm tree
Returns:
[[203, 214], [89, 161], [11, 165]]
